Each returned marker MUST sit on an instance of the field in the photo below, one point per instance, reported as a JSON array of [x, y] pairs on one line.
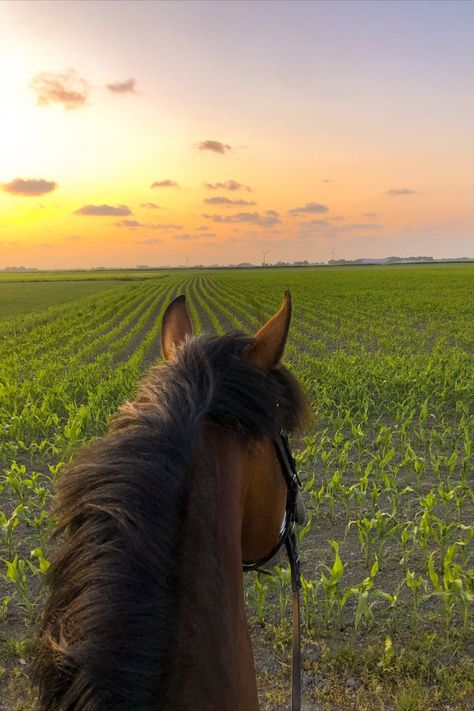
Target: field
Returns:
[[18, 298], [385, 355]]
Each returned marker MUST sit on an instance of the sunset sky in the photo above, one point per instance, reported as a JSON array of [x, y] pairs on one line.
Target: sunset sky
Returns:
[[155, 132]]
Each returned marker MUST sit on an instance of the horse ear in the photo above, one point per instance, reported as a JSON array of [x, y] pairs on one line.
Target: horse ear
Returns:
[[268, 345], [176, 326]]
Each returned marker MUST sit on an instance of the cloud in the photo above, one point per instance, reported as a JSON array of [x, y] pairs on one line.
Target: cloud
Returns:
[[46, 245], [68, 89], [327, 180], [241, 239], [228, 202], [163, 226], [128, 223], [75, 238], [328, 229], [360, 226], [270, 217], [150, 240], [184, 236], [315, 223], [133, 224], [308, 209], [150, 205], [214, 146], [164, 184], [29, 187], [228, 185], [370, 214], [103, 210], [123, 87], [205, 234], [401, 191]]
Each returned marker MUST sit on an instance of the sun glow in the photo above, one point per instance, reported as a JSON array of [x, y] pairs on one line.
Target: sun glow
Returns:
[[390, 161]]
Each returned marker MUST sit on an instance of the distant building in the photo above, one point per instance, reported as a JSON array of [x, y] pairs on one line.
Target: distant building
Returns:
[[383, 260], [21, 269]]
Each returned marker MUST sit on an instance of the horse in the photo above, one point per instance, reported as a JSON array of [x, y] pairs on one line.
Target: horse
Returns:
[[146, 607]]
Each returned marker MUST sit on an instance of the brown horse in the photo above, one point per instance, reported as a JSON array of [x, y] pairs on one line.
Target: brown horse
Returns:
[[146, 604]]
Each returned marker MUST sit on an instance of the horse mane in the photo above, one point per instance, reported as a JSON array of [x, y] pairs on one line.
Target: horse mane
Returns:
[[108, 623]]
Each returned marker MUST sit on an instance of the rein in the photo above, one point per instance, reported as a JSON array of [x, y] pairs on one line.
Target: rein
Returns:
[[289, 540]]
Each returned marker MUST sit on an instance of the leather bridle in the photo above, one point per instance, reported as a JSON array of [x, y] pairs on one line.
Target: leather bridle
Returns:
[[289, 540]]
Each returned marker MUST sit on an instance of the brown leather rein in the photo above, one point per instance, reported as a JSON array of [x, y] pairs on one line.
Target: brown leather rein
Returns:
[[289, 540]]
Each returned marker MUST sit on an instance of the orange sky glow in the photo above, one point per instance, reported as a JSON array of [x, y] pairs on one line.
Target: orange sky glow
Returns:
[[163, 132]]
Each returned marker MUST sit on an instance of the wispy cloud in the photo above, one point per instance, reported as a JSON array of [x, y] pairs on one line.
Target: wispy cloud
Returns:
[[327, 180], [184, 236], [128, 223], [359, 226], [150, 240], [68, 89], [123, 87], [214, 146], [228, 185], [329, 229], [75, 238], [163, 226], [270, 217], [401, 191], [309, 208], [227, 202], [246, 237], [315, 223], [150, 206], [133, 224], [164, 184], [29, 187], [370, 214], [103, 210]]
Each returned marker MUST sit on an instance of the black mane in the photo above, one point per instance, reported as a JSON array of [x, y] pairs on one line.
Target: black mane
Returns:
[[108, 622]]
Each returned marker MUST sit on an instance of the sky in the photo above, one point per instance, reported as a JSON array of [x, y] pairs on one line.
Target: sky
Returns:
[[209, 132]]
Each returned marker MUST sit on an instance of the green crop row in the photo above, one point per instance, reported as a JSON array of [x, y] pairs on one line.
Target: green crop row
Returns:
[[385, 356]]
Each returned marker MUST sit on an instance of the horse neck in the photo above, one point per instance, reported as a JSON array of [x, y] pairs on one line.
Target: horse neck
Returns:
[[211, 663]]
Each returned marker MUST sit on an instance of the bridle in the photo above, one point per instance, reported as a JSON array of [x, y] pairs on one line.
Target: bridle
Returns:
[[289, 540]]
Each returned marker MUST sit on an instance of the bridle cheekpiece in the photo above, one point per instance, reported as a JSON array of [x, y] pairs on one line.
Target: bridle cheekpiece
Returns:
[[289, 540]]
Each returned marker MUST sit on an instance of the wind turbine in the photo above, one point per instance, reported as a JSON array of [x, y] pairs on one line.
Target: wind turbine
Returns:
[[264, 255]]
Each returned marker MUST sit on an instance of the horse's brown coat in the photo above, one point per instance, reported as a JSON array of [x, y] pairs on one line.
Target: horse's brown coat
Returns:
[[146, 606]]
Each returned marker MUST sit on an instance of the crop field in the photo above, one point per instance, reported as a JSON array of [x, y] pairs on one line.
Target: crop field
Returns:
[[385, 355], [17, 298]]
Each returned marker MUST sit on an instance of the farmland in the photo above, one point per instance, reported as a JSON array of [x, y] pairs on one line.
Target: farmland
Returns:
[[385, 355], [17, 298]]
